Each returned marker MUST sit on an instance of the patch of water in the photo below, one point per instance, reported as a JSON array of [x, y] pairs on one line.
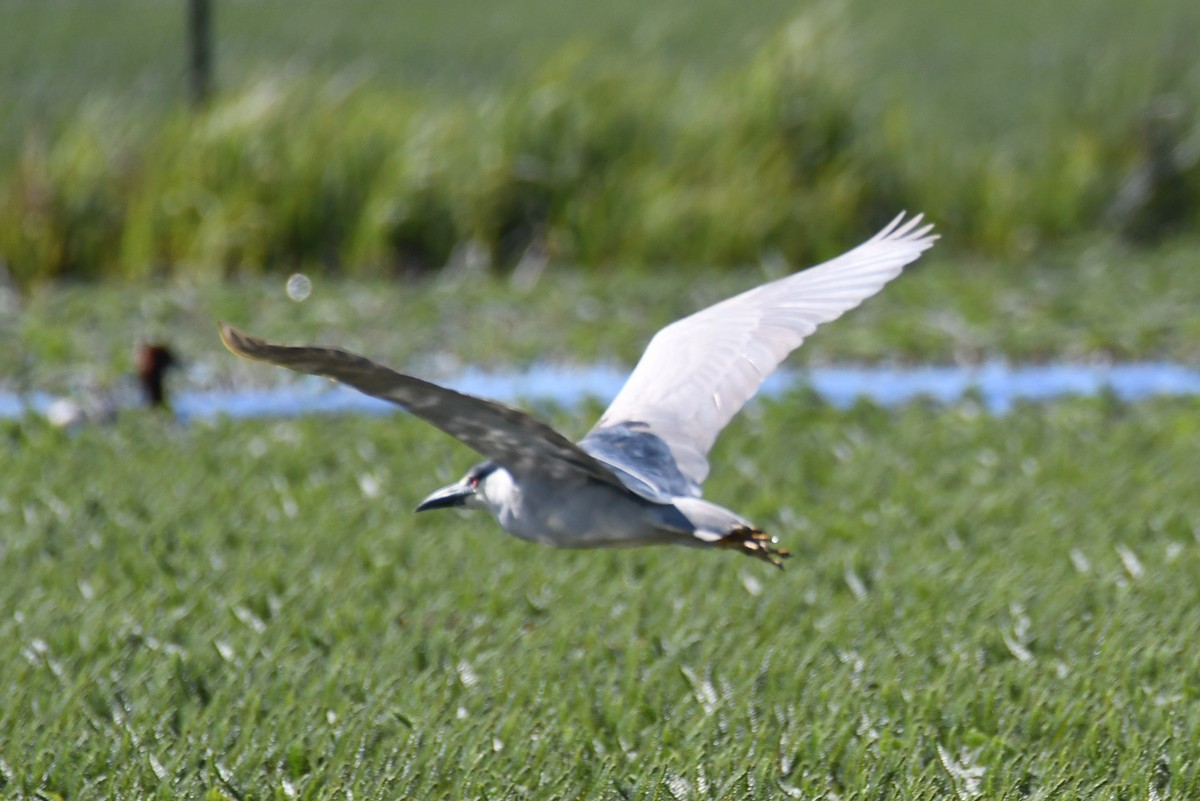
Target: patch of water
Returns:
[[997, 384]]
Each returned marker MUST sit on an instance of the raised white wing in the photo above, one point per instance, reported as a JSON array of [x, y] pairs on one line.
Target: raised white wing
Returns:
[[699, 371]]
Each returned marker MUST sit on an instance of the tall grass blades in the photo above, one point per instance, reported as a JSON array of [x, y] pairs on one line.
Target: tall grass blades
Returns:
[[592, 160]]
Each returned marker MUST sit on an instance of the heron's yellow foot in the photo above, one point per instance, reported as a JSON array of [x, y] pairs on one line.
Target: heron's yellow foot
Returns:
[[754, 542]]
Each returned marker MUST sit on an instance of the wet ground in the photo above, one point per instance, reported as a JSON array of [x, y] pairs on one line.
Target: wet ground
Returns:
[[998, 385]]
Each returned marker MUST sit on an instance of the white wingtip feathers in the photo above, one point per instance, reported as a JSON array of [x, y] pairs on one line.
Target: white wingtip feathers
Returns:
[[899, 230]]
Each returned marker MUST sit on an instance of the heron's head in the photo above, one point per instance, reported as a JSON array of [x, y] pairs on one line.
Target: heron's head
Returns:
[[467, 492]]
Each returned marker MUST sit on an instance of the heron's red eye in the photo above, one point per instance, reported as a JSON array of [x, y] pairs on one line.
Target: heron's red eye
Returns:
[[473, 481]]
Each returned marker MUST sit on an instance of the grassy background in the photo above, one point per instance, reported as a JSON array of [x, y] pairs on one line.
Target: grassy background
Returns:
[[392, 137], [57, 54], [1002, 605], [1102, 303], [999, 69]]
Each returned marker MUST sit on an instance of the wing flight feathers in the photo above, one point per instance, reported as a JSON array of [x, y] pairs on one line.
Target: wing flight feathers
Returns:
[[516, 441], [699, 371]]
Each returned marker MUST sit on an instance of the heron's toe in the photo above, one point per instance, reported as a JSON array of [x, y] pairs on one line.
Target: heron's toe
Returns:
[[754, 542]]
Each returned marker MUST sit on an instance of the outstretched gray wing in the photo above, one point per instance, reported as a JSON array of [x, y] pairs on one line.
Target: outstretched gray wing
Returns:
[[699, 371], [509, 437]]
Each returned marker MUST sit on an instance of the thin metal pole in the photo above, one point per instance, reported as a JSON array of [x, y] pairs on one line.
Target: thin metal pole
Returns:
[[199, 51]]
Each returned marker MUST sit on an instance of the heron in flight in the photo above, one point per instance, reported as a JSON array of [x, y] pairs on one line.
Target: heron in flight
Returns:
[[635, 478]]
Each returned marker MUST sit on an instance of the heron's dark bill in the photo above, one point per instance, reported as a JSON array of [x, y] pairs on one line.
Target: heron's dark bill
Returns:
[[446, 498]]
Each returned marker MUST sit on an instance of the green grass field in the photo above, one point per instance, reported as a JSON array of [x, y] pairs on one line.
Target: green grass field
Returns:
[[977, 605], [1002, 69], [56, 55], [385, 139], [1080, 303]]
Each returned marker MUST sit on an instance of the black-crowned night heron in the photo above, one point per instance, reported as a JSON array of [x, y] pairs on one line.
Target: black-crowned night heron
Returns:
[[635, 478]]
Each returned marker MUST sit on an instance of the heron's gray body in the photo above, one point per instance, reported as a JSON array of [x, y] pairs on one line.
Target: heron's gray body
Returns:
[[635, 478], [656, 503], [577, 514]]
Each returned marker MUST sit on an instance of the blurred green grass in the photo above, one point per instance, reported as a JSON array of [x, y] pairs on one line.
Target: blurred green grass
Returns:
[[1081, 302], [249, 609], [977, 604], [56, 55], [1001, 69], [780, 134]]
